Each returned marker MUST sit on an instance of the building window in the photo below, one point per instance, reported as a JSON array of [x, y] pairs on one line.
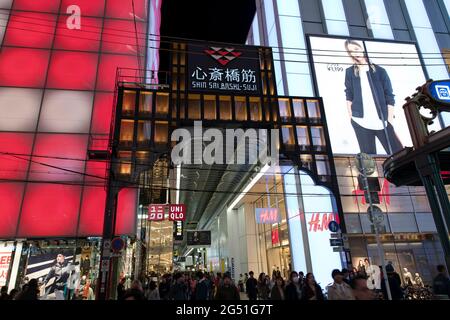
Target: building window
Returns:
[[144, 132], [307, 161], [225, 107], [129, 102], [255, 109], [240, 108], [145, 103], [194, 108], [162, 104], [161, 132], [285, 109], [209, 103], [299, 110], [322, 165], [126, 132], [313, 110], [303, 138], [288, 137], [125, 162], [318, 138]]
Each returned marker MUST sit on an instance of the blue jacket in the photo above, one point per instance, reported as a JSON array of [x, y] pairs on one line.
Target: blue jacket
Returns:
[[381, 90]]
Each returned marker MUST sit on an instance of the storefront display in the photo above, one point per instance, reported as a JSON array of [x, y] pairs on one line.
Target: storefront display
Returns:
[[6, 250]]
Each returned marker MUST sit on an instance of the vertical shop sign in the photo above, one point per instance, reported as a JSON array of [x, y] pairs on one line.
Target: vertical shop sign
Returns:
[[5, 261]]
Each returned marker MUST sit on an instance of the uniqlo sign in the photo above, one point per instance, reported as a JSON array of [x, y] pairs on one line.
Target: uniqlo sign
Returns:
[[156, 212], [5, 260], [177, 212]]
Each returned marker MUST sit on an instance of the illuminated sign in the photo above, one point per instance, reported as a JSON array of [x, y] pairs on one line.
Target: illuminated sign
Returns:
[[267, 215], [319, 222], [275, 236], [363, 89], [198, 238], [230, 69], [440, 92], [156, 212], [178, 230], [5, 260], [177, 212]]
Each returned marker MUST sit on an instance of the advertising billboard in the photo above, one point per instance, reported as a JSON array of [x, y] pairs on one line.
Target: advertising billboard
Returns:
[[198, 238], [363, 85], [5, 261]]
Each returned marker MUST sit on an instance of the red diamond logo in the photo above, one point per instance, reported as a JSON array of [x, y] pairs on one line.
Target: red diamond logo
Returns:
[[223, 55]]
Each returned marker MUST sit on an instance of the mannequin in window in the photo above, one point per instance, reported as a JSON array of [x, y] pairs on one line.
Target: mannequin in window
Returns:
[[418, 280], [373, 275], [362, 268], [408, 277]]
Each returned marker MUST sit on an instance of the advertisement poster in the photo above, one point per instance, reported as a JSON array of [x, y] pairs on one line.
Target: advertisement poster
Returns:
[[5, 261], [52, 268], [364, 85]]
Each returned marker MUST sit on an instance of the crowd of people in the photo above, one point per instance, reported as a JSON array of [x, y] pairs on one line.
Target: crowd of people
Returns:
[[346, 285]]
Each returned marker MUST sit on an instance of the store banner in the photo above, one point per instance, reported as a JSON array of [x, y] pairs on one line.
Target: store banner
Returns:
[[5, 261], [229, 69], [267, 215], [363, 85]]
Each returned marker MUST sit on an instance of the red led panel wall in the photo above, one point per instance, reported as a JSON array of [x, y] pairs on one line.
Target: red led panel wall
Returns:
[[72, 70], [85, 39], [14, 164], [123, 9], [108, 69], [23, 67], [102, 116], [90, 8], [10, 200], [57, 151], [30, 29], [37, 5], [44, 49], [50, 210], [126, 211], [92, 212]]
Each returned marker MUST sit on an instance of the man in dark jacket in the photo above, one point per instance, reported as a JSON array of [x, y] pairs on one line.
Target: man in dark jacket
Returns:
[[164, 287], [441, 284], [251, 287], [202, 288], [121, 289], [227, 291], [394, 284], [60, 272], [179, 290]]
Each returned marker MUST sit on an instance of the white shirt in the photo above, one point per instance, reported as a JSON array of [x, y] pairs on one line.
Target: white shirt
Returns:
[[370, 119]]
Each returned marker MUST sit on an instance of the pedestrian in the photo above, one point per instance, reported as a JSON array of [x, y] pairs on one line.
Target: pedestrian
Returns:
[[121, 289], [13, 293], [293, 289], [394, 284], [251, 287], [339, 290], [136, 292], [263, 287], [31, 291], [360, 289], [241, 283], [4, 293], [311, 290], [441, 284], [227, 291], [346, 275], [152, 292], [202, 288], [179, 289], [164, 287], [277, 292]]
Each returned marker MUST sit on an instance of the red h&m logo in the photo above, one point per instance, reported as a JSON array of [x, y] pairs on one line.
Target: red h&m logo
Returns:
[[223, 55], [267, 215], [320, 221], [383, 194]]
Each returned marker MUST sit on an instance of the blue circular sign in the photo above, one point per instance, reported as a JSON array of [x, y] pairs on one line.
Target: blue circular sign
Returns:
[[117, 244], [333, 226]]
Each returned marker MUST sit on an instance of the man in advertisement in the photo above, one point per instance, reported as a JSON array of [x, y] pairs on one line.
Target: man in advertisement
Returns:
[[370, 102], [60, 273]]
